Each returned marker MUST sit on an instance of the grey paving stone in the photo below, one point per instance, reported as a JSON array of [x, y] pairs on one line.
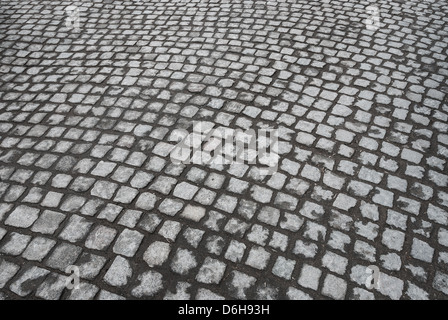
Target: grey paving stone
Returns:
[[391, 261], [239, 283], [15, 244], [100, 238], [334, 287], [81, 184], [361, 294], [128, 242], [171, 206], [181, 292], [421, 191], [66, 163], [110, 212], [312, 210], [344, 202], [130, 218], [393, 239], [170, 230], [236, 227], [339, 241], [261, 194], [258, 258], [22, 217], [38, 248], [298, 186], [258, 234], [141, 180], [205, 294], [103, 189], [73, 204], [76, 229], [215, 221], [421, 250], [4, 208], [183, 261], [306, 249], [437, 214], [283, 267], [90, 265], [367, 230], [237, 186], [146, 201], [34, 195], [34, 274], [119, 272], [296, 294], [279, 241], [383, 197], [163, 184], [91, 207], [157, 253], [440, 282], [86, 291], [126, 195], [247, 209], [7, 271], [52, 287], [291, 222], [106, 295], [412, 156], [309, 277], [269, 215], [334, 262], [185, 191], [226, 203], [235, 251], [314, 231], [205, 196], [214, 181], [359, 275], [48, 222], [397, 219], [61, 181], [193, 236], [215, 244], [416, 293], [14, 192], [63, 256], [391, 286], [443, 237], [334, 181], [266, 291], [151, 282], [194, 213], [149, 222], [364, 250], [211, 271]]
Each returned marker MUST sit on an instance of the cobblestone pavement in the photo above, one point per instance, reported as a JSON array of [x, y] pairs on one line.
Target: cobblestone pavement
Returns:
[[88, 118]]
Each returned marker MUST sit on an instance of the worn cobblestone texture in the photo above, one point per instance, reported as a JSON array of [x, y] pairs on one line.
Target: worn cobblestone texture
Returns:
[[88, 118]]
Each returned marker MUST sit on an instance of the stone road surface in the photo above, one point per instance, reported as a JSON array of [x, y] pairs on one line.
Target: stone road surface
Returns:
[[88, 117]]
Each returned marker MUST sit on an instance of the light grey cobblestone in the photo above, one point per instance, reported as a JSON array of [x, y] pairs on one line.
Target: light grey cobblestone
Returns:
[[119, 272], [52, 287]]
